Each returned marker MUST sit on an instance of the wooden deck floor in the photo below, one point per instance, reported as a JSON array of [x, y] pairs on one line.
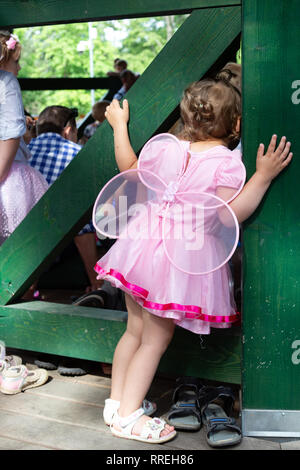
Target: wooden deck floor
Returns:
[[66, 414]]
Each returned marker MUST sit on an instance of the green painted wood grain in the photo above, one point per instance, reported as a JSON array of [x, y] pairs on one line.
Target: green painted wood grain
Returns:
[[90, 333], [271, 305], [66, 206], [21, 13]]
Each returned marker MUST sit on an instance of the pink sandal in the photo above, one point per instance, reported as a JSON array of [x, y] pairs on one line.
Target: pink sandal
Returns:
[[17, 379]]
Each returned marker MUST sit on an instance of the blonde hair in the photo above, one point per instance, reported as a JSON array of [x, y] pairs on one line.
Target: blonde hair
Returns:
[[210, 110], [5, 52]]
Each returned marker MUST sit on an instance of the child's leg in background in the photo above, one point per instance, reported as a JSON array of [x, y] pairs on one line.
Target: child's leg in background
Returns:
[[157, 334], [126, 348]]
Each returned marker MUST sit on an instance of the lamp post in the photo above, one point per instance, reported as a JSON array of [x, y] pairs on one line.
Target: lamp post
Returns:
[[82, 46]]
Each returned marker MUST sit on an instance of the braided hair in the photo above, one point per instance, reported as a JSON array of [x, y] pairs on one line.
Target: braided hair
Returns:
[[210, 110]]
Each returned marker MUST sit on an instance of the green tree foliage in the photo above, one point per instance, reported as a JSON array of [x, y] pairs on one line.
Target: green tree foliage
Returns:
[[51, 51]]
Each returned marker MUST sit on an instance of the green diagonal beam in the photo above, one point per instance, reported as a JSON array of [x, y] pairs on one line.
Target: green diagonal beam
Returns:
[[61, 212]]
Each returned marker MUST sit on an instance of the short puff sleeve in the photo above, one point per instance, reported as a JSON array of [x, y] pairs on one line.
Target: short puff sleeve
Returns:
[[231, 172]]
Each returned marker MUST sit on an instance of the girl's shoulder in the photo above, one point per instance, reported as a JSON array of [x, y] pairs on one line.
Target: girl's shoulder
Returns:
[[8, 84], [227, 153], [8, 78]]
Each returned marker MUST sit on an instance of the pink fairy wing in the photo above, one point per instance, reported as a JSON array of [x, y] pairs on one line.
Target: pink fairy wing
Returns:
[[124, 200], [164, 155], [201, 237], [200, 230]]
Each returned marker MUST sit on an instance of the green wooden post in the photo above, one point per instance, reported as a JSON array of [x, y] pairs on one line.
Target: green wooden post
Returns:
[[271, 307]]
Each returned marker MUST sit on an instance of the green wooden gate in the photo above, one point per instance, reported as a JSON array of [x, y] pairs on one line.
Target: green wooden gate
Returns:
[[204, 43]]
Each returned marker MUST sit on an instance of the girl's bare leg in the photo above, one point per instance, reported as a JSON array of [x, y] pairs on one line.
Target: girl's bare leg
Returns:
[[126, 348], [157, 334]]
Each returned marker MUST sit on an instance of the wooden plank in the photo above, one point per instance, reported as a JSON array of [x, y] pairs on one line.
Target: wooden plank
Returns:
[[11, 443], [38, 12], [89, 333], [66, 206], [41, 431], [65, 330], [271, 307], [105, 83]]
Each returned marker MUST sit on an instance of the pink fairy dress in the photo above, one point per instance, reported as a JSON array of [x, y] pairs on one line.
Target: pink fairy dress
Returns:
[[24, 185], [174, 192]]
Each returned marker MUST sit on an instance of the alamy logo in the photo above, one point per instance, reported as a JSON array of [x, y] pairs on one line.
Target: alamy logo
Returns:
[[296, 95], [296, 353], [135, 222]]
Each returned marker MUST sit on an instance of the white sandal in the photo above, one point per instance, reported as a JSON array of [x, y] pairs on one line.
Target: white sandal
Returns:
[[18, 379], [150, 431], [111, 406]]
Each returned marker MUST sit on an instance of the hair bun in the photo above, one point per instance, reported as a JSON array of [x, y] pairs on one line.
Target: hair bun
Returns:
[[225, 76]]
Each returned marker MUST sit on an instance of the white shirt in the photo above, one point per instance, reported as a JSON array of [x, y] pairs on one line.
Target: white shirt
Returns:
[[12, 118]]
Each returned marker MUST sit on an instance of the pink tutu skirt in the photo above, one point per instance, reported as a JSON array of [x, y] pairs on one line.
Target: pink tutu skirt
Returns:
[[195, 302], [20, 191]]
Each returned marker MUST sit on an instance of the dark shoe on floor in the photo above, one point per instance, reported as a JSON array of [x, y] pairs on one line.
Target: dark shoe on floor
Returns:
[[92, 299], [70, 367], [184, 414], [47, 361], [216, 404], [65, 366], [108, 297]]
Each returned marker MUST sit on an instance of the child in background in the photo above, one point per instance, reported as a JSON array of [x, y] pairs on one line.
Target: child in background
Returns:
[[119, 66], [128, 78], [158, 295], [98, 113]]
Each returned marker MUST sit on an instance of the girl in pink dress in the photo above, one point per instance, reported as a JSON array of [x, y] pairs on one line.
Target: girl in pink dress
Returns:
[[158, 294], [20, 185]]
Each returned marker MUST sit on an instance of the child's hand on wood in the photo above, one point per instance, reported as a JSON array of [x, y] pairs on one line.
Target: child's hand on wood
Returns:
[[270, 164], [116, 115]]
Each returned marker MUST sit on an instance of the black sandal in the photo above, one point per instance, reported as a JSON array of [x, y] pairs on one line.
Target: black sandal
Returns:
[[185, 413], [216, 405]]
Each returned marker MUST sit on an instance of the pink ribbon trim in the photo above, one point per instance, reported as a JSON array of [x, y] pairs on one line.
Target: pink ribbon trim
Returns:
[[191, 311], [132, 287]]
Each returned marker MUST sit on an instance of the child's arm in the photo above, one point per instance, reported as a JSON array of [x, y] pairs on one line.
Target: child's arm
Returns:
[[268, 166], [118, 118], [8, 150]]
